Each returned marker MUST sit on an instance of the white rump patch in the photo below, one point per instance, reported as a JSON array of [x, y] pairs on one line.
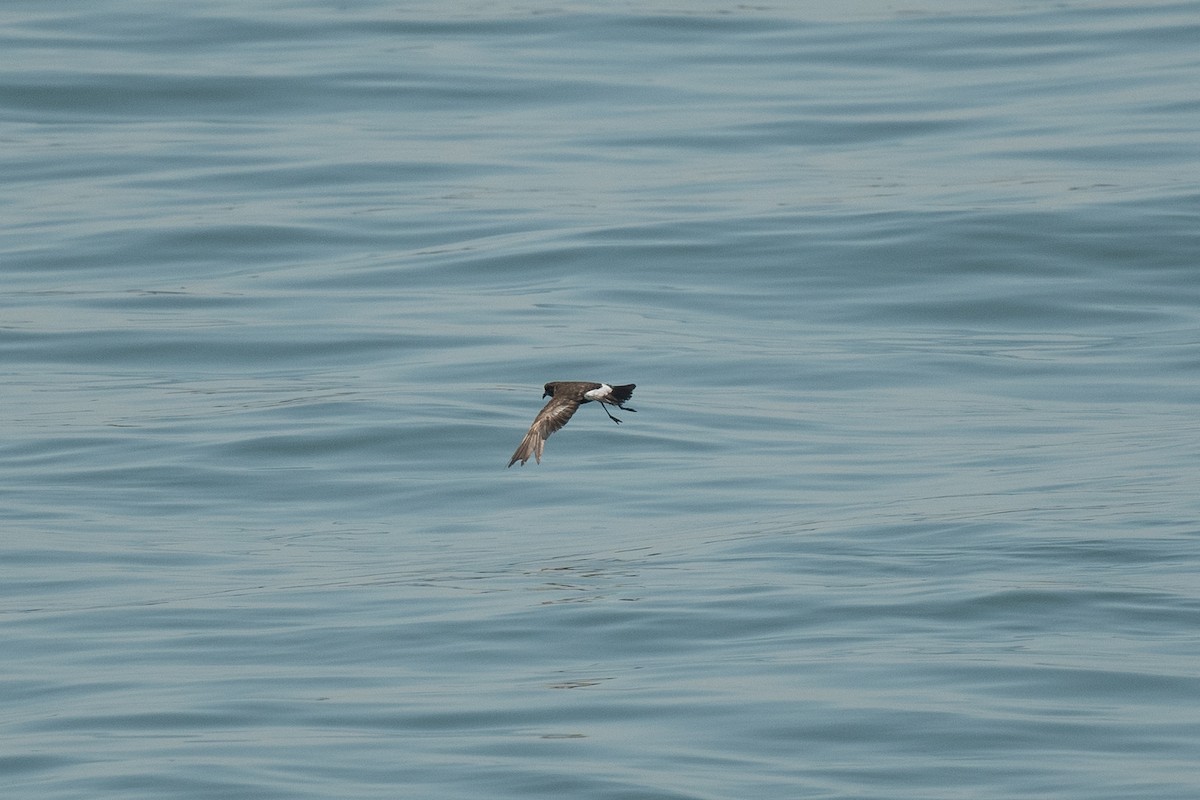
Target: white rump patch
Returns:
[[599, 394]]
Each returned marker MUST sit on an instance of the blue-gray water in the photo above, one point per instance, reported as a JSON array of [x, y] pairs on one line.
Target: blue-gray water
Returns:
[[909, 505]]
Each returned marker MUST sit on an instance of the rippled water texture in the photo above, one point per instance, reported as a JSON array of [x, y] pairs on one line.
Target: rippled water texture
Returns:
[[908, 506]]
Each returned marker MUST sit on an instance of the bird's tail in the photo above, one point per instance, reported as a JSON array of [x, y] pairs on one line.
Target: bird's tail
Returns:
[[621, 394]]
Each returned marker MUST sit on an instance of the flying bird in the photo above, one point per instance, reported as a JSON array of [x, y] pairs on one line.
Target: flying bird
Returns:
[[565, 398]]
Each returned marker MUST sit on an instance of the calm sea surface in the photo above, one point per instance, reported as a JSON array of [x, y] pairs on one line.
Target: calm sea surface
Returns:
[[910, 505]]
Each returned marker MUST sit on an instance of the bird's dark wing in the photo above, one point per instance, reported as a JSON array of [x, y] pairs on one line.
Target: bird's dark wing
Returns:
[[549, 419]]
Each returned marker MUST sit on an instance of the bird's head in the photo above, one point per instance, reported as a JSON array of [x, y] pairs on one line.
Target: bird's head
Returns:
[[549, 390]]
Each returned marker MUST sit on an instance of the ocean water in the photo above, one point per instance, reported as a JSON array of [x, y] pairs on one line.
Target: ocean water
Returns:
[[908, 507]]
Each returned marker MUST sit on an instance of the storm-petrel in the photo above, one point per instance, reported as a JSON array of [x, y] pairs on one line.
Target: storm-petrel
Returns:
[[565, 398]]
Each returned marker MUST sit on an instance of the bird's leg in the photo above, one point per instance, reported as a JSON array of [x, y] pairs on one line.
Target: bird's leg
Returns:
[[610, 416]]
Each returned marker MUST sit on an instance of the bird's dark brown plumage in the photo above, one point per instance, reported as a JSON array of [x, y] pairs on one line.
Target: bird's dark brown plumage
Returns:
[[565, 399]]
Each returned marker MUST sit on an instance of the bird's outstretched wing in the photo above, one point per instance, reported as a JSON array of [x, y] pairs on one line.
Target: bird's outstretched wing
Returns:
[[552, 417]]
